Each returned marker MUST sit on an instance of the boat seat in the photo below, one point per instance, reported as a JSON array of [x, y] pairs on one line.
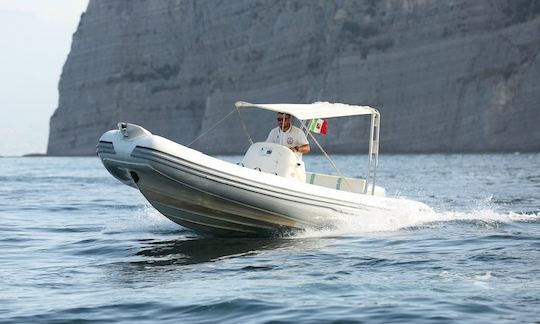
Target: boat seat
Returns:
[[336, 182]]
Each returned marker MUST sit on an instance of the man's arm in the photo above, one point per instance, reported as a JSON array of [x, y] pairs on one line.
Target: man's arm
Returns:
[[301, 149]]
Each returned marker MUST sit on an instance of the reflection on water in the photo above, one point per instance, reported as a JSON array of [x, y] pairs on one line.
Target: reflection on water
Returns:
[[193, 251]]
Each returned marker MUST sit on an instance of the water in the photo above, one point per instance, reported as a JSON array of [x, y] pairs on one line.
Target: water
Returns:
[[78, 246]]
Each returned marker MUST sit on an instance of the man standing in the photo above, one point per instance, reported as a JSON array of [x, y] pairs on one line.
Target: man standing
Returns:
[[289, 135]]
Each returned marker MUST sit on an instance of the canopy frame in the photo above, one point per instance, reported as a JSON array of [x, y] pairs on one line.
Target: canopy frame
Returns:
[[332, 110]]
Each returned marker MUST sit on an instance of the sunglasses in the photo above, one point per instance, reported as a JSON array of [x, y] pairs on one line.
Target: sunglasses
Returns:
[[281, 119]]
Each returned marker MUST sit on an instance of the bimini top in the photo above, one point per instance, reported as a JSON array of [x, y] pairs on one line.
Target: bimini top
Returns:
[[314, 110]]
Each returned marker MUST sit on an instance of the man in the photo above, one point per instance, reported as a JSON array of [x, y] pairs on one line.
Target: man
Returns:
[[289, 135]]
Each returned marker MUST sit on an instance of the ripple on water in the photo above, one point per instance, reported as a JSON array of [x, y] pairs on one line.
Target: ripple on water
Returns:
[[96, 252]]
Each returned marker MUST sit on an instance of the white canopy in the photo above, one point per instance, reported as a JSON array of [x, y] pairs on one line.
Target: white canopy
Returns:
[[314, 110]]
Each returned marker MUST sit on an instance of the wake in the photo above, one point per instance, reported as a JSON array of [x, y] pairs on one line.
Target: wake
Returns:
[[148, 219], [405, 219]]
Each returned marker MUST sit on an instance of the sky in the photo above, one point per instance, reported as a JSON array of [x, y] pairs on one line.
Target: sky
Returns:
[[35, 39]]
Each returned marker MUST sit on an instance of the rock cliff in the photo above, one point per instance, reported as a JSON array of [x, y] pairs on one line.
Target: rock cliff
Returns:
[[447, 76]]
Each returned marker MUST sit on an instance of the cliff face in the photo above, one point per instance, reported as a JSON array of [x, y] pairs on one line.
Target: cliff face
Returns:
[[446, 75]]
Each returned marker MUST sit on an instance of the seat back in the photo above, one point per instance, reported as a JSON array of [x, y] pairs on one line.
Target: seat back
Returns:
[[336, 182]]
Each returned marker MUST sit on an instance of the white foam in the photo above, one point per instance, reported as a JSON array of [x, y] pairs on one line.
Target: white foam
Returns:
[[484, 277], [487, 215], [148, 219], [413, 217]]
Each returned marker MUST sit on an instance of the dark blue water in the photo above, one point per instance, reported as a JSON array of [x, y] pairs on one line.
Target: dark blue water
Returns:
[[78, 246]]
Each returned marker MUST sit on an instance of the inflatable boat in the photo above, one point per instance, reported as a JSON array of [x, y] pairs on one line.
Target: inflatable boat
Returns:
[[267, 193]]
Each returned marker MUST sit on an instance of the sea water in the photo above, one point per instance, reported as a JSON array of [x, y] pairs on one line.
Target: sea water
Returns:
[[78, 246]]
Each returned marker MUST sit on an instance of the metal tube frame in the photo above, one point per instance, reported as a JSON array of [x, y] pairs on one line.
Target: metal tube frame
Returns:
[[373, 158]]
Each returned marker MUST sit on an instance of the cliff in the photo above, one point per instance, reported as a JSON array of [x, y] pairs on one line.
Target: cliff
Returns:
[[447, 76]]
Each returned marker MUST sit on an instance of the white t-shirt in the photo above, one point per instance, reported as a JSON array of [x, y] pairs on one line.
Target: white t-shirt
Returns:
[[291, 138]]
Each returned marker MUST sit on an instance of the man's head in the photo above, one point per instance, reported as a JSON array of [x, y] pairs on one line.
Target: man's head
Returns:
[[284, 121]]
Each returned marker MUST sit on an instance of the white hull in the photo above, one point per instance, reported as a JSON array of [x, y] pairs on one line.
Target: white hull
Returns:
[[220, 198]]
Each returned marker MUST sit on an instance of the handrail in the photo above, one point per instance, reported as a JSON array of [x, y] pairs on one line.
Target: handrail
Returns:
[[373, 158]]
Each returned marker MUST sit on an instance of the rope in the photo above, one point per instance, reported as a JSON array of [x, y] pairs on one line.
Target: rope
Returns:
[[211, 128], [244, 126], [328, 157]]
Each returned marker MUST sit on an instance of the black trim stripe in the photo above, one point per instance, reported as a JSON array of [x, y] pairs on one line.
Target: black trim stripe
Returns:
[[105, 147]]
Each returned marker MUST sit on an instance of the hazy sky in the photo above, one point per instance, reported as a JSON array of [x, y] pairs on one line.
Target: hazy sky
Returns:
[[35, 38]]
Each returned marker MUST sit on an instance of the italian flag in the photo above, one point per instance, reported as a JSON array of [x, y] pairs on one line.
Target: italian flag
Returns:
[[318, 126]]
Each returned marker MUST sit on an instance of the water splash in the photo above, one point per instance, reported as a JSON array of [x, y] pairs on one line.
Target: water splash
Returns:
[[148, 216], [410, 218], [143, 219], [148, 219]]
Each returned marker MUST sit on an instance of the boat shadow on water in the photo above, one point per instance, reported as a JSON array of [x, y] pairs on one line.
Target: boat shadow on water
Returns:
[[205, 249]]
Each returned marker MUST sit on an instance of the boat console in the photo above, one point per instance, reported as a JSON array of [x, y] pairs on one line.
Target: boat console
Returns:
[[274, 159]]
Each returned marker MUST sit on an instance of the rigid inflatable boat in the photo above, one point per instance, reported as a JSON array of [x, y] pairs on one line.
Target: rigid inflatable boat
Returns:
[[268, 193]]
